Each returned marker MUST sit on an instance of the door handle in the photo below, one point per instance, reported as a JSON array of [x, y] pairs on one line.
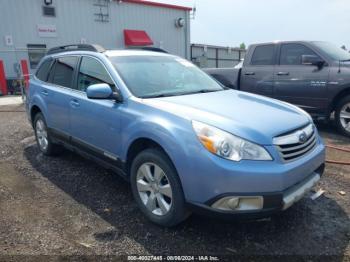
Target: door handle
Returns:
[[249, 73], [74, 103], [44, 92], [283, 73]]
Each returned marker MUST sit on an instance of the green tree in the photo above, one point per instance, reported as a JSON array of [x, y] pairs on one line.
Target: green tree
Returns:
[[242, 46]]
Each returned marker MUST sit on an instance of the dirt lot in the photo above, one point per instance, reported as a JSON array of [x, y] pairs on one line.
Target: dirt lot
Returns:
[[70, 206]]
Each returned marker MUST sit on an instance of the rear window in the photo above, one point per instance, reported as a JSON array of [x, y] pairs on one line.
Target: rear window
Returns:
[[263, 55], [44, 69], [62, 72]]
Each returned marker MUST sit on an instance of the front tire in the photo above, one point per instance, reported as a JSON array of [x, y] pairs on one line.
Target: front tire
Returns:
[[157, 189], [342, 116], [43, 137]]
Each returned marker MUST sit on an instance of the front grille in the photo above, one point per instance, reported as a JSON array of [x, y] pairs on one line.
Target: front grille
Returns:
[[297, 144]]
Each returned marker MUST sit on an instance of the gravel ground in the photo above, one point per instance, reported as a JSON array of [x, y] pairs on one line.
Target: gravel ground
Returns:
[[69, 206]]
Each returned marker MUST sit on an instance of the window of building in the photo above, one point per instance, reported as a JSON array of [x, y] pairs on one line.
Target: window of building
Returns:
[[49, 11], [291, 54], [44, 70], [263, 55], [92, 72], [35, 53], [63, 70]]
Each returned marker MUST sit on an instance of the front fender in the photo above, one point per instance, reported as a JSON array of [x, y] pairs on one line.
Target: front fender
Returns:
[[177, 140]]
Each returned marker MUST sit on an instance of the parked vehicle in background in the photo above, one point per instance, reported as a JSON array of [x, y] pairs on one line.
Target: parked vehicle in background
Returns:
[[239, 65], [313, 75], [182, 140]]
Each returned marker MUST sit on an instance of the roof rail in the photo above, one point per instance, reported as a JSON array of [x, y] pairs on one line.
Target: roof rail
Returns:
[[154, 49], [76, 47]]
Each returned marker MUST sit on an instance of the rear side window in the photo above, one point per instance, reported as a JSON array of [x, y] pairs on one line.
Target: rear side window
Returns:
[[263, 55], [63, 71], [291, 54], [92, 72], [44, 69]]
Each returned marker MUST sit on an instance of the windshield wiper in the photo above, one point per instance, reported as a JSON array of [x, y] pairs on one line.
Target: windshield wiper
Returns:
[[181, 93], [159, 95], [200, 91]]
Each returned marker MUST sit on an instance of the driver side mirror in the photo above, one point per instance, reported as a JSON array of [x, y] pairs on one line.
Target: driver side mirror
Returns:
[[312, 60], [102, 91]]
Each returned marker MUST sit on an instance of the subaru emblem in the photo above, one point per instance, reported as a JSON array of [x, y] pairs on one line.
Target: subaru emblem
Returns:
[[302, 137]]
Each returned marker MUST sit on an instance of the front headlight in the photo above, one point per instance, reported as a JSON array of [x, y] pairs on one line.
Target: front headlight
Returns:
[[227, 145]]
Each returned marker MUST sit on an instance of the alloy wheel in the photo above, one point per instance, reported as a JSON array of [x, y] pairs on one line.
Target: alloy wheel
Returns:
[[154, 189], [345, 117], [41, 134]]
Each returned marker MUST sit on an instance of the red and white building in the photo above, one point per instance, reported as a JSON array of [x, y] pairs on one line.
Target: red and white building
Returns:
[[29, 28]]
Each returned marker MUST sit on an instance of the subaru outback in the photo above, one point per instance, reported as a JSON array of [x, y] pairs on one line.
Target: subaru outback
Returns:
[[185, 142]]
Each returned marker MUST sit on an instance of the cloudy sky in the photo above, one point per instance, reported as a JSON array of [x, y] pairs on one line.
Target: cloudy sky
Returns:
[[231, 22]]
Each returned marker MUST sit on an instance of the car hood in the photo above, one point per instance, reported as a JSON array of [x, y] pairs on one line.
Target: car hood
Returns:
[[249, 116]]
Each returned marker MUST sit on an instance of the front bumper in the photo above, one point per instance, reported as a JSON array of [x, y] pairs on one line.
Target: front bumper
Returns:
[[273, 202], [205, 176]]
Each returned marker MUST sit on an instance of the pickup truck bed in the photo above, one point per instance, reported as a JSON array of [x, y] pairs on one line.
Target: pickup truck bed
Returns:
[[229, 77]]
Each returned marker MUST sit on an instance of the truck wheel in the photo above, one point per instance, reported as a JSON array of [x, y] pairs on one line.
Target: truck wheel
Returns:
[[342, 115], [157, 188], [43, 138]]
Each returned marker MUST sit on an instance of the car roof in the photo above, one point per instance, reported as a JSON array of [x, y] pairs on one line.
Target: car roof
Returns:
[[285, 42], [130, 52], [112, 53]]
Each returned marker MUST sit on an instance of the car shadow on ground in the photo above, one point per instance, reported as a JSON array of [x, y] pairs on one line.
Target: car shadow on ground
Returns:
[[329, 130], [309, 227]]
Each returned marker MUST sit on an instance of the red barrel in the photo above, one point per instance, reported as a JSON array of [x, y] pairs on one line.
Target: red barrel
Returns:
[[3, 83]]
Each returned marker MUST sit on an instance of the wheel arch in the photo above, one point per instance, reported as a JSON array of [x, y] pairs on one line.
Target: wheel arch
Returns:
[[140, 144], [36, 105], [338, 97], [33, 111], [173, 137]]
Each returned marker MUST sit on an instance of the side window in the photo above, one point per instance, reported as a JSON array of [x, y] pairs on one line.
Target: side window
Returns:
[[91, 72], [263, 55], [63, 71], [291, 54], [43, 70]]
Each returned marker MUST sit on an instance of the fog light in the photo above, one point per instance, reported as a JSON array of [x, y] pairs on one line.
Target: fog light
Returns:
[[226, 203], [251, 203], [239, 203], [233, 203]]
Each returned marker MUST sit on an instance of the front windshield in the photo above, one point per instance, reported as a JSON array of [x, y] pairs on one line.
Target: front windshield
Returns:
[[156, 76], [333, 51]]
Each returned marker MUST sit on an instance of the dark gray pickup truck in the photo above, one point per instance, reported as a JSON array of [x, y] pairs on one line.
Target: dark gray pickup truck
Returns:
[[313, 75]]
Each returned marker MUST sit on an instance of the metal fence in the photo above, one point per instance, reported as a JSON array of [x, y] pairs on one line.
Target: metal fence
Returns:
[[216, 56]]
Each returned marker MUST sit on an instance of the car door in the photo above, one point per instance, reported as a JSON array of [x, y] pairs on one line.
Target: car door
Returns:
[[95, 123], [56, 93], [257, 74], [301, 85]]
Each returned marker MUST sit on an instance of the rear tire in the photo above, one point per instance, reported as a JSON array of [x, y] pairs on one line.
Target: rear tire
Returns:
[[342, 116], [157, 189], [43, 137]]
